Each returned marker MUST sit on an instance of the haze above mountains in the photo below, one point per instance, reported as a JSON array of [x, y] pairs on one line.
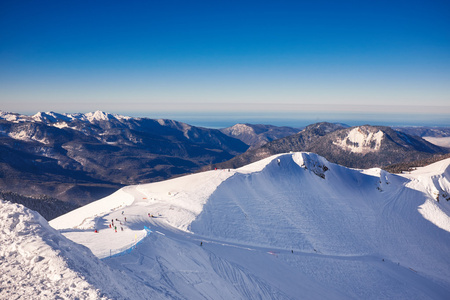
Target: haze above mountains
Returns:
[[78, 158]]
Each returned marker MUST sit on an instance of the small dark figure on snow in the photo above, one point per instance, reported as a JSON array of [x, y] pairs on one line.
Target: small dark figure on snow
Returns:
[[201, 243]]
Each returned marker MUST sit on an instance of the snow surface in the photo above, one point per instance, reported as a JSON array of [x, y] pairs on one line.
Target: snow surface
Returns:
[[292, 226], [359, 140], [37, 262]]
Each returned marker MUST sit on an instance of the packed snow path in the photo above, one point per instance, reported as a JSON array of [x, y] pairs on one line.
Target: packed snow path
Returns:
[[289, 226]]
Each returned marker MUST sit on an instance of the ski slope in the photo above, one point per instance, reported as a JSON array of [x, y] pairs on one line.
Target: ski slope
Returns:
[[291, 226]]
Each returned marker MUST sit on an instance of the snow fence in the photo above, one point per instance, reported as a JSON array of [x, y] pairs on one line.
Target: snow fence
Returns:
[[125, 250]]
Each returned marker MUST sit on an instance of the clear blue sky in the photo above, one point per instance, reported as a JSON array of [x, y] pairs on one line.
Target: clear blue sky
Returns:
[[377, 61]]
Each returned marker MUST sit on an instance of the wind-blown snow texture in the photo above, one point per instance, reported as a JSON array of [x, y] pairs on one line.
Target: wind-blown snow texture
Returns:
[[37, 262], [292, 226]]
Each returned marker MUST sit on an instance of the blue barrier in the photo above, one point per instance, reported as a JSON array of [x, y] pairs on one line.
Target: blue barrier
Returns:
[[126, 250]]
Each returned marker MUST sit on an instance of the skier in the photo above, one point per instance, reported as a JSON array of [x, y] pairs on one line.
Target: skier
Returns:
[[201, 243]]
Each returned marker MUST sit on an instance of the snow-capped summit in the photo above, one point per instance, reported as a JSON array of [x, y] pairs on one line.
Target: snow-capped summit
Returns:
[[51, 117], [239, 129], [99, 116], [13, 117]]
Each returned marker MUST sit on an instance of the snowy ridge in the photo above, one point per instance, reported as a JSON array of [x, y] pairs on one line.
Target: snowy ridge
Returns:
[[37, 262], [54, 117], [434, 181], [292, 224]]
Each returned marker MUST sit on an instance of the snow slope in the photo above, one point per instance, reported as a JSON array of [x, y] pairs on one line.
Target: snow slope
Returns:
[[292, 226], [37, 262]]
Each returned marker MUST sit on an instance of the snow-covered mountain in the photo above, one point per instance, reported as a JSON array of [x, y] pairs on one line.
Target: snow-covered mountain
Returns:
[[287, 227], [83, 157], [356, 147]]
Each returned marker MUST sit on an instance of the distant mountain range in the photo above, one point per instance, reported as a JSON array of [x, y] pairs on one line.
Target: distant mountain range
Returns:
[[83, 157], [79, 158], [356, 147], [425, 131]]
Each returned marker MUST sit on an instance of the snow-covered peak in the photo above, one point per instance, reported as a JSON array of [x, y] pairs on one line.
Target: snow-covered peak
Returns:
[[50, 117], [361, 140], [240, 129], [13, 117], [99, 116]]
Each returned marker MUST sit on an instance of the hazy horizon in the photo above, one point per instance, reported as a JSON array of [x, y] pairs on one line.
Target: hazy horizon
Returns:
[[222, 120], [297, 61]]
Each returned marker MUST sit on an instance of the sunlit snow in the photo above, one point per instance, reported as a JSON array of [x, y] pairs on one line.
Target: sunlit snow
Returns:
[[292, 226], [359, 140]]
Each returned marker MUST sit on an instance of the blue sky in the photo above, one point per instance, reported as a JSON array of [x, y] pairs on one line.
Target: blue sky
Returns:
[[256, 61]]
